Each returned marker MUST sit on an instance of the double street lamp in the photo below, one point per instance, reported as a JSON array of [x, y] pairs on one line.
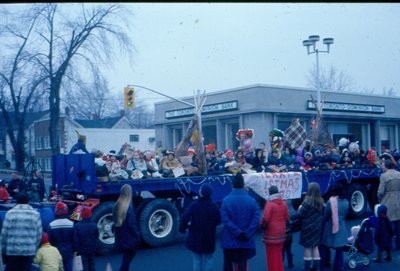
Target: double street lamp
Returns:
[[311, 49]]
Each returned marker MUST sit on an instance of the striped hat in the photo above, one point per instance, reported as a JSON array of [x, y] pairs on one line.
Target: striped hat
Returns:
[[61, 209]]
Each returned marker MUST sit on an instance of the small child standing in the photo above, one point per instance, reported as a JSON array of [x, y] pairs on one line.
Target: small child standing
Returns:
[[287, 246], [85, 236], [48, 257], [383, 233]]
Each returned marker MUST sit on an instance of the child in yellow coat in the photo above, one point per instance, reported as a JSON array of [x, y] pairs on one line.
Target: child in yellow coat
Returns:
[[48, 257]]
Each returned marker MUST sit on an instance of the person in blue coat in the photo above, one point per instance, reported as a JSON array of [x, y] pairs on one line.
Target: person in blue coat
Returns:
[[85, 239], [201, 218], [240, 218], [61, 235], [127, 236]]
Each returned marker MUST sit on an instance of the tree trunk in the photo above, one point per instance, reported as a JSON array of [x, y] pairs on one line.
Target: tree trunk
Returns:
[[54, 102]]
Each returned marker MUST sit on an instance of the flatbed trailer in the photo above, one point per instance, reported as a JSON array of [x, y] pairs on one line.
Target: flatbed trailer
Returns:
[[159, 202]]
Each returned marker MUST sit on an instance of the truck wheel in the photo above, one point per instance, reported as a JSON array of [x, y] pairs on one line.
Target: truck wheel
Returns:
[[158, 222], [357, 197], [102, 215]]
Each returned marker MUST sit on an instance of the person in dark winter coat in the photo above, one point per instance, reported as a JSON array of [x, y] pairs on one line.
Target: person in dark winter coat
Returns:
[[335, 232], [202, 218], [310, 215], [16, 185], [61, 235], [127, 235], [273, 223], [240, 219], [85, 239], [383, 233]]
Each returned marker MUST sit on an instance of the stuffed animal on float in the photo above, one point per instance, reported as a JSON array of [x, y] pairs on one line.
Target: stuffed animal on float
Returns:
[[276, 138], [346, 160], [343, 144], [80, 146]]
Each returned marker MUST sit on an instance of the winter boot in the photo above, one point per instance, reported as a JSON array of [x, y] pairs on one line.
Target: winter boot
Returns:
[[388, 258], [307, 264], [317, 264], [378, 258]]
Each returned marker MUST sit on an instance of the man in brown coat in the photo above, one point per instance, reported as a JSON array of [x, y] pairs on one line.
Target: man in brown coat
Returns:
[[389, 194]]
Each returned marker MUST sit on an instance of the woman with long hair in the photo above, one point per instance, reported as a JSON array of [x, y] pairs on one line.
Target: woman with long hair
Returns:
[[335, 231], [127, 236], [310, 213]]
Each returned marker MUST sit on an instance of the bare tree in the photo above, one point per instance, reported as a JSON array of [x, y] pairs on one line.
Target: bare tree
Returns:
[[75, 38], [20, 82], [330, 80], [141, 117], [86, 100]]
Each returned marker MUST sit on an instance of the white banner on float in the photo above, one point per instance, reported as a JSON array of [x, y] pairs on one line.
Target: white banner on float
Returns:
[[289, 183]]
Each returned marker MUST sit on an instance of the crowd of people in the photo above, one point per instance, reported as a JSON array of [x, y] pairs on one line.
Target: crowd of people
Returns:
[[321, 221], [278, 156], [321, 224]]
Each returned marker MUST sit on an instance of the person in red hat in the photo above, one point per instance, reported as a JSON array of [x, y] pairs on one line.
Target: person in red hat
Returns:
[[48, 257], [61, 234], [85, 232]]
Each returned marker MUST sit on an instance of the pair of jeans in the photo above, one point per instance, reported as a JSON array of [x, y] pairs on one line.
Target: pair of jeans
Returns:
[[202, 262], [127, 258], [18, 263], [233, 256]]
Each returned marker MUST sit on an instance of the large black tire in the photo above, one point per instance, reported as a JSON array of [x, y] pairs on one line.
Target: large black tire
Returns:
[[102, 215], [158, 222], [357, 196]]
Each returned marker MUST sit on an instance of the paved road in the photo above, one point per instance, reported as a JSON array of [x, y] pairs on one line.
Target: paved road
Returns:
[[177, 258]]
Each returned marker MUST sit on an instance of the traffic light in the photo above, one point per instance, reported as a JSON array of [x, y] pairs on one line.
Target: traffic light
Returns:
[[129, 94]]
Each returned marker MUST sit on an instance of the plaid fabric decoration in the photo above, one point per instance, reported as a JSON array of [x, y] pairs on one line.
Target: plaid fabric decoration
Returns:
[[296, 135]]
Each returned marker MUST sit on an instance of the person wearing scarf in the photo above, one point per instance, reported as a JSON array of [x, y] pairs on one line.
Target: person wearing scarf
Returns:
[[335, 232]]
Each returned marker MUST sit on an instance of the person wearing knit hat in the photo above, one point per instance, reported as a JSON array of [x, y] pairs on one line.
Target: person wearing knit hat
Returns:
[[61, 209], [383, 233], [61, 234], [204, 217], [85, 232], [48, 257]]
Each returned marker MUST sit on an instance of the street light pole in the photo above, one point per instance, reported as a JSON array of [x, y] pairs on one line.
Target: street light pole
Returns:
[[312, 40]]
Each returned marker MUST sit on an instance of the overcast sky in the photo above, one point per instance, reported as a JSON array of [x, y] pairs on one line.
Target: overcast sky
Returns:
[[185, 47]]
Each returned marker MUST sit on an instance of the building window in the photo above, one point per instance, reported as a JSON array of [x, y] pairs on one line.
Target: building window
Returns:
[[210, 134], [47, 164], [39, 143], [152, 139], [176, 136], [134, 138]]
